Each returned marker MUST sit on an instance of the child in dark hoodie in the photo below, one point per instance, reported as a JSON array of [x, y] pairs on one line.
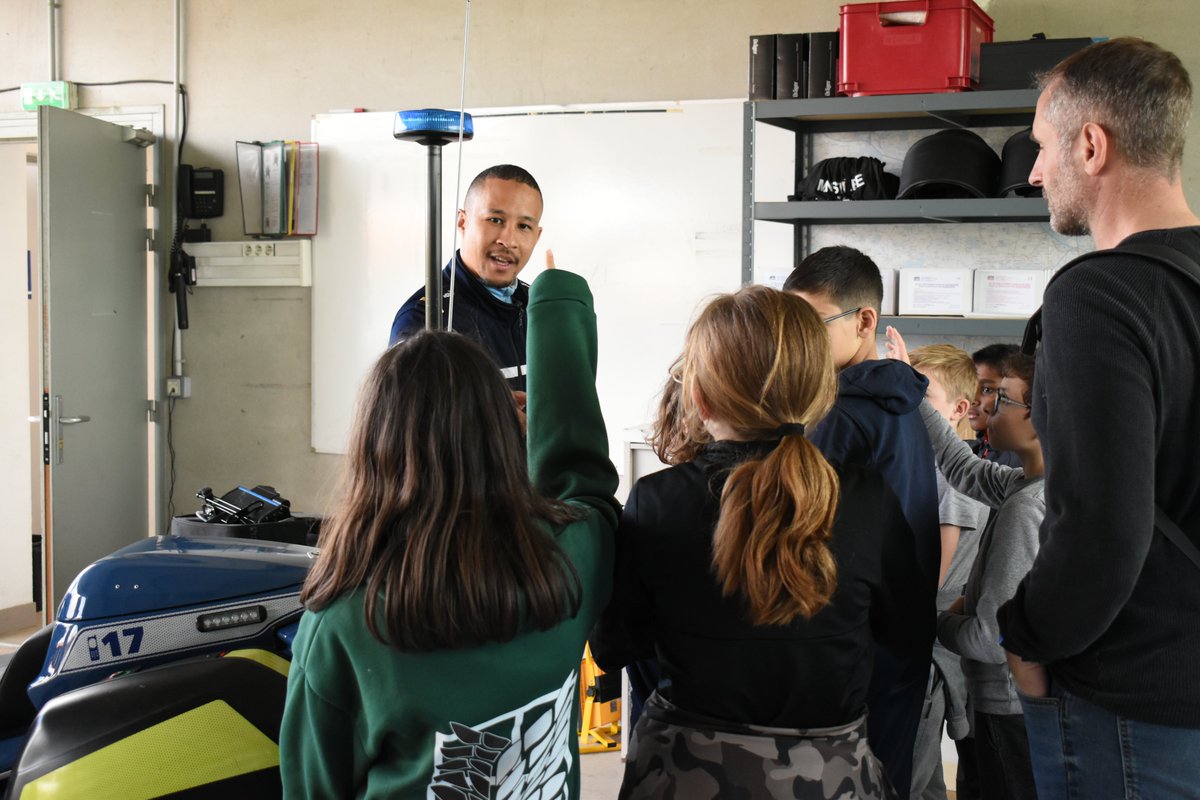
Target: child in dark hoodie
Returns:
[[876, 421]]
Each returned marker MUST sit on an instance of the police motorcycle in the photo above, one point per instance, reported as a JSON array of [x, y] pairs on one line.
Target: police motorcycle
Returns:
[[165, 668]]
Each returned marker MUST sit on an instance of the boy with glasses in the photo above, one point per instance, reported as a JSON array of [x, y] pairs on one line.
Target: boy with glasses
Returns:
[[1007, 549], [875, 422]]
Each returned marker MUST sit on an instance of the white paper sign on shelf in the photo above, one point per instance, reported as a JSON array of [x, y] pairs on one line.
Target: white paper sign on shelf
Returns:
[[1008, 292], [934, 292]]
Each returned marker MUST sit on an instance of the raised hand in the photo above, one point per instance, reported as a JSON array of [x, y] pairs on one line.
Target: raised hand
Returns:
[[895, 345]]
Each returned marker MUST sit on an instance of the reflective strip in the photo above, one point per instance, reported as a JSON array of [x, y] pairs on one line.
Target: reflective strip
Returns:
[[513, 372], [169, 633], [209, 743], [264, 657]]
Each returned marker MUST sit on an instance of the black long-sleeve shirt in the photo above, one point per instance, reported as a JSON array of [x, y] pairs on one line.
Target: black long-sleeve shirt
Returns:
[[810, 673], [1111, 606]]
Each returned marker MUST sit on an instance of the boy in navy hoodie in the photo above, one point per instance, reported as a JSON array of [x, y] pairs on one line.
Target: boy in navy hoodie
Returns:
[[876, 421]]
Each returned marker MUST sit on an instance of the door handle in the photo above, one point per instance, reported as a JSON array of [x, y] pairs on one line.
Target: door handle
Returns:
[[59, 421]]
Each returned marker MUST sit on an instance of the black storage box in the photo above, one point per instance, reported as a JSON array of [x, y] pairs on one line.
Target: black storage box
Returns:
[[762, 67], [791, 79], [822, 63], [1015, 65]]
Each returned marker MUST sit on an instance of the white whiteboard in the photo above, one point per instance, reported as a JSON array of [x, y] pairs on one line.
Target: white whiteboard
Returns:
[[646, 206]]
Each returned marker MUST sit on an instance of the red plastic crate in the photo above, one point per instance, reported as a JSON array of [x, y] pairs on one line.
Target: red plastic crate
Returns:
[[911, 46]]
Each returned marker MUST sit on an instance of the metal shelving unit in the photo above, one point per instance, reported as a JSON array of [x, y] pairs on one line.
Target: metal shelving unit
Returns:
[[807, 118], [875, 212], [992, 327]]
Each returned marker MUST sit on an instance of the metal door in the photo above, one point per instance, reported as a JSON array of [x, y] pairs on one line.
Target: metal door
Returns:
[[92, 188]]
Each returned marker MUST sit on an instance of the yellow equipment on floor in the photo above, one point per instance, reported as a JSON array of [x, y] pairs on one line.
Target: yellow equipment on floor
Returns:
[[599, 707]]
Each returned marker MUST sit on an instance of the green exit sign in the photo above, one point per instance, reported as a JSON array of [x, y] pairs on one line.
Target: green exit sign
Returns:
[[60, 94]]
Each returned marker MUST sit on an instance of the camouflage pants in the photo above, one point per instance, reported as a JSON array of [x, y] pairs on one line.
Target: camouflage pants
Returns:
[[678, 755]]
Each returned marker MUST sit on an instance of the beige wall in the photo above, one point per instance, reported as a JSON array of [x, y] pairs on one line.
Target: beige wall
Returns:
[[260, 70]]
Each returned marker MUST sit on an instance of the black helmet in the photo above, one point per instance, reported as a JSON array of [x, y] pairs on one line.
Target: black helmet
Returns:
[[1016, 162], [952, 163]]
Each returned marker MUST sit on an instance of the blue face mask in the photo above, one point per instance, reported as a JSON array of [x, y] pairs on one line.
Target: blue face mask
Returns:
[[503, 293]]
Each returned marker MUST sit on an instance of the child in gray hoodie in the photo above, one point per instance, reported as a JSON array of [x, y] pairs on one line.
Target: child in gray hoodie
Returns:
[[1007, 549]]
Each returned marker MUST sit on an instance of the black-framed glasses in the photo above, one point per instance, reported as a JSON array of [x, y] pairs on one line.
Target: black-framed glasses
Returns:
[[843, 314], [1002, 399]]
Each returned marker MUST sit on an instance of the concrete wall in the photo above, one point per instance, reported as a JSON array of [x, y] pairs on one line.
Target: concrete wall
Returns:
[[260, 70]]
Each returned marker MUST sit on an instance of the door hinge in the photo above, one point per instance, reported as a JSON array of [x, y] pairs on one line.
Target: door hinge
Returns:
[[151, 195], [150, 243], [151, 411], [46, 428]]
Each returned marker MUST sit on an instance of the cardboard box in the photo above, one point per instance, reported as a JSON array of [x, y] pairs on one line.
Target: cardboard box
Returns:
[[934, 292], [1008, 292], [791, 81], [762, 67], [821, 58]]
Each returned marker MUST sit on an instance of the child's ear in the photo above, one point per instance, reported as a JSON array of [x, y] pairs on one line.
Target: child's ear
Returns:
[[868, 321], [960, 410]]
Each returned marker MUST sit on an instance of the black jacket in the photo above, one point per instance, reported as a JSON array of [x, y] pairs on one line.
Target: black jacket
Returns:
[[498, 326], [809, 673], [1111, 606], [876, 422]]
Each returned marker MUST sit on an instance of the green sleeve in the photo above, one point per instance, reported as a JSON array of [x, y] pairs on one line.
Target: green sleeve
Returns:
[[568, 444], [319, 752]]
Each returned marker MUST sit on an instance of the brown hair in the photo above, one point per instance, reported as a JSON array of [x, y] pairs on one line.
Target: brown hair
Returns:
[[954, 370], [436, 517], [759, 359], [1139, 92]]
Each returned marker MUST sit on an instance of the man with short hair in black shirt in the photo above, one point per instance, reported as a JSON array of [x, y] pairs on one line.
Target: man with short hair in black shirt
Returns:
[[1103, 633]]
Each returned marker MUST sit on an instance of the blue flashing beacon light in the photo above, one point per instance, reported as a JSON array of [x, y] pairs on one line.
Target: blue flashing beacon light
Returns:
[[433, 127]]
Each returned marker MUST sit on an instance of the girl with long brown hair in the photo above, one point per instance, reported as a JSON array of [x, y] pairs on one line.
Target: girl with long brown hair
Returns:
[[456, 584], [757, 573]]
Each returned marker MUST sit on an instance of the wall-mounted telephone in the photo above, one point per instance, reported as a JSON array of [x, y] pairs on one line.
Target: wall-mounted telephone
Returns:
[[201, 192]]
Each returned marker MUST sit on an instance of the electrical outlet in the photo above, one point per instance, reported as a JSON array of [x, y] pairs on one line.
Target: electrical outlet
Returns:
[[268, 249], [248, 250], [179, 386]]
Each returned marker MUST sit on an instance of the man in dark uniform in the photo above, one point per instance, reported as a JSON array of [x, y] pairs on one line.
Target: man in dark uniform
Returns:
[[498, 230]]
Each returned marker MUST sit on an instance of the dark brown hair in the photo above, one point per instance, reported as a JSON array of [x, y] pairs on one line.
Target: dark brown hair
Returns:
[[759, 359], [846, 276], [1021, 366], [436, 517]]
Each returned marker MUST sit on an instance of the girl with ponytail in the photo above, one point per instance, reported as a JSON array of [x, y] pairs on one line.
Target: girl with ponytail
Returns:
[[758, 575]]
